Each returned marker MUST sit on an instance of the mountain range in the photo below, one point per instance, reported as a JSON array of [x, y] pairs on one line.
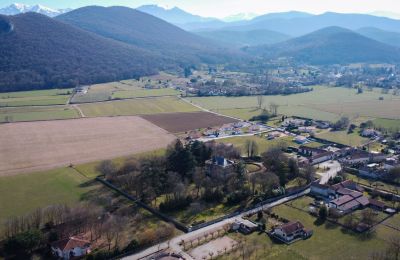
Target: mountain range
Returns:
[[331, 45], [22, 8], [97, 44], [145, 31]]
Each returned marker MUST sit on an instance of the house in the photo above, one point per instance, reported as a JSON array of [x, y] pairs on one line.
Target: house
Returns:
[[372, 171], [348, 184], [345, 204], [219, 161], [390, 163], [307, 129], [357, 156], [377, 205], [70, 247], [290, 232], [323, 157], [293, 122], [310, 151], [322, 124], [322, 191], [370, 133]]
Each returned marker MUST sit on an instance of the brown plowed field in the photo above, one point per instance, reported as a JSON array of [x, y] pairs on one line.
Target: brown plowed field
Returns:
[[182, 122], [34, 146]]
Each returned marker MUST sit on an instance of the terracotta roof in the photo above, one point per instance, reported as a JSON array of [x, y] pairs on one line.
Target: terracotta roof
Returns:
[[363, 200], [377, 203], [349, 205], [342, 200], [70, 243], [292, 227]]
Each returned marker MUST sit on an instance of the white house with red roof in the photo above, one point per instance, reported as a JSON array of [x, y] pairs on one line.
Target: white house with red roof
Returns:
[[70, 247], [290, 232]]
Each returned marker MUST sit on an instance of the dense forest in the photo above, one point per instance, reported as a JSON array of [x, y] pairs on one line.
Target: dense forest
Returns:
[[38, 52]]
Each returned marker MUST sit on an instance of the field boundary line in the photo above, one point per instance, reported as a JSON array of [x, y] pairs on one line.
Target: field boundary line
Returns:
[[209, 111]]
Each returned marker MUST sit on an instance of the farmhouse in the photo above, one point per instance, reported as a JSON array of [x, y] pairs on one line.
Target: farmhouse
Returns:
[[70, 247], [290, 232], [316, 155]]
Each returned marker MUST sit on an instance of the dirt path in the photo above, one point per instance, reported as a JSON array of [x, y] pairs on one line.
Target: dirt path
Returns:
[[79, 111], [209, 111]]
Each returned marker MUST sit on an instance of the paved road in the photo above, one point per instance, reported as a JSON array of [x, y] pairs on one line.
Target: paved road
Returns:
[[173, 244], [330, 170]]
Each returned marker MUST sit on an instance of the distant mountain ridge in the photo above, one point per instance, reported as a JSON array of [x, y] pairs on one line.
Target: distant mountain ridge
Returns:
[[174, 15], [305, 25], [22, 8], [390, 38], [331, 45], [145, 31], [245, 38]]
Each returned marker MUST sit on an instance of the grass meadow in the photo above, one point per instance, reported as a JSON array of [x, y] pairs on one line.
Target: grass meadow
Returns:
[[137, 107], [35, 98], [329, 241], [26, 192], [323, 103], [19, 114]]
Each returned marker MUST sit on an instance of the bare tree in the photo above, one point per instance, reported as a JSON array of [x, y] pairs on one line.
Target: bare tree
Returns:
[[260, 101], [273, 107]]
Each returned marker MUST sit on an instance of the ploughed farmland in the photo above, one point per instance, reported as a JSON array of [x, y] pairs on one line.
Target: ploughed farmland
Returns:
[[182, 122], [34, 146]]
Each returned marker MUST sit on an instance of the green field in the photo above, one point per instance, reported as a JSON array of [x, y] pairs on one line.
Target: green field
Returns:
[[19, 114], [263, 143], [137, 107], [389, 124], [329, 241], [35, 98], [140, 92], [324, 103], [23, 193], [124, 89], [342, 137]]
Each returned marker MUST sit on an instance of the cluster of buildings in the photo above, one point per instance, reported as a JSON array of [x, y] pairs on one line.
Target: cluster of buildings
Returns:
[[226, 130], [344, 197]]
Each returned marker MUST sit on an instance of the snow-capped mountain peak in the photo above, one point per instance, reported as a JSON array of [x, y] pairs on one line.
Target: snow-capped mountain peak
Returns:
[[18, 8]]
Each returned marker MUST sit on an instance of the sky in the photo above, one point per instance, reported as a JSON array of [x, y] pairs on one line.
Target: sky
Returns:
[[223, 8]]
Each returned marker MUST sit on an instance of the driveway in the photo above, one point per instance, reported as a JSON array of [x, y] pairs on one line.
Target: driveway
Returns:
[[173, 244], [328, 170]]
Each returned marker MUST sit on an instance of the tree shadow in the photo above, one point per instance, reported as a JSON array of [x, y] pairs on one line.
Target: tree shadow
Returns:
[[318, 222], [330, 225]]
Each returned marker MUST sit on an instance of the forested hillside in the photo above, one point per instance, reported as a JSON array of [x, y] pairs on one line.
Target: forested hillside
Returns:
[[38, 52]]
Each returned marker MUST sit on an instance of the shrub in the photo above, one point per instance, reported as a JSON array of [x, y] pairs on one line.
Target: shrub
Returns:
[[175, 204]]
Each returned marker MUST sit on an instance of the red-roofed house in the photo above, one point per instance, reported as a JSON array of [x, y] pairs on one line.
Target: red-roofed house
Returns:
[[70, 247], [291, 231]]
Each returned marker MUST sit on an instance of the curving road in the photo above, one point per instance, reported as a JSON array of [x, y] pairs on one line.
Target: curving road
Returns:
[[173, 244]]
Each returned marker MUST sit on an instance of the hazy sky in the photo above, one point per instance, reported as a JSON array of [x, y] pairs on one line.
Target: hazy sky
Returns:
[[222, 8]]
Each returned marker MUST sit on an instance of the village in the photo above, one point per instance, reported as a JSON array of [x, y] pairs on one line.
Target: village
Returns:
[[345, 190]]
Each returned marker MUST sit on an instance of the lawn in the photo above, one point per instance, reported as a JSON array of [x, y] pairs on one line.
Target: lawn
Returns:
[[330, 241], [342, 137], [35, 98], [137, 107], [23, 193], [19, 114], [325, 103]]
